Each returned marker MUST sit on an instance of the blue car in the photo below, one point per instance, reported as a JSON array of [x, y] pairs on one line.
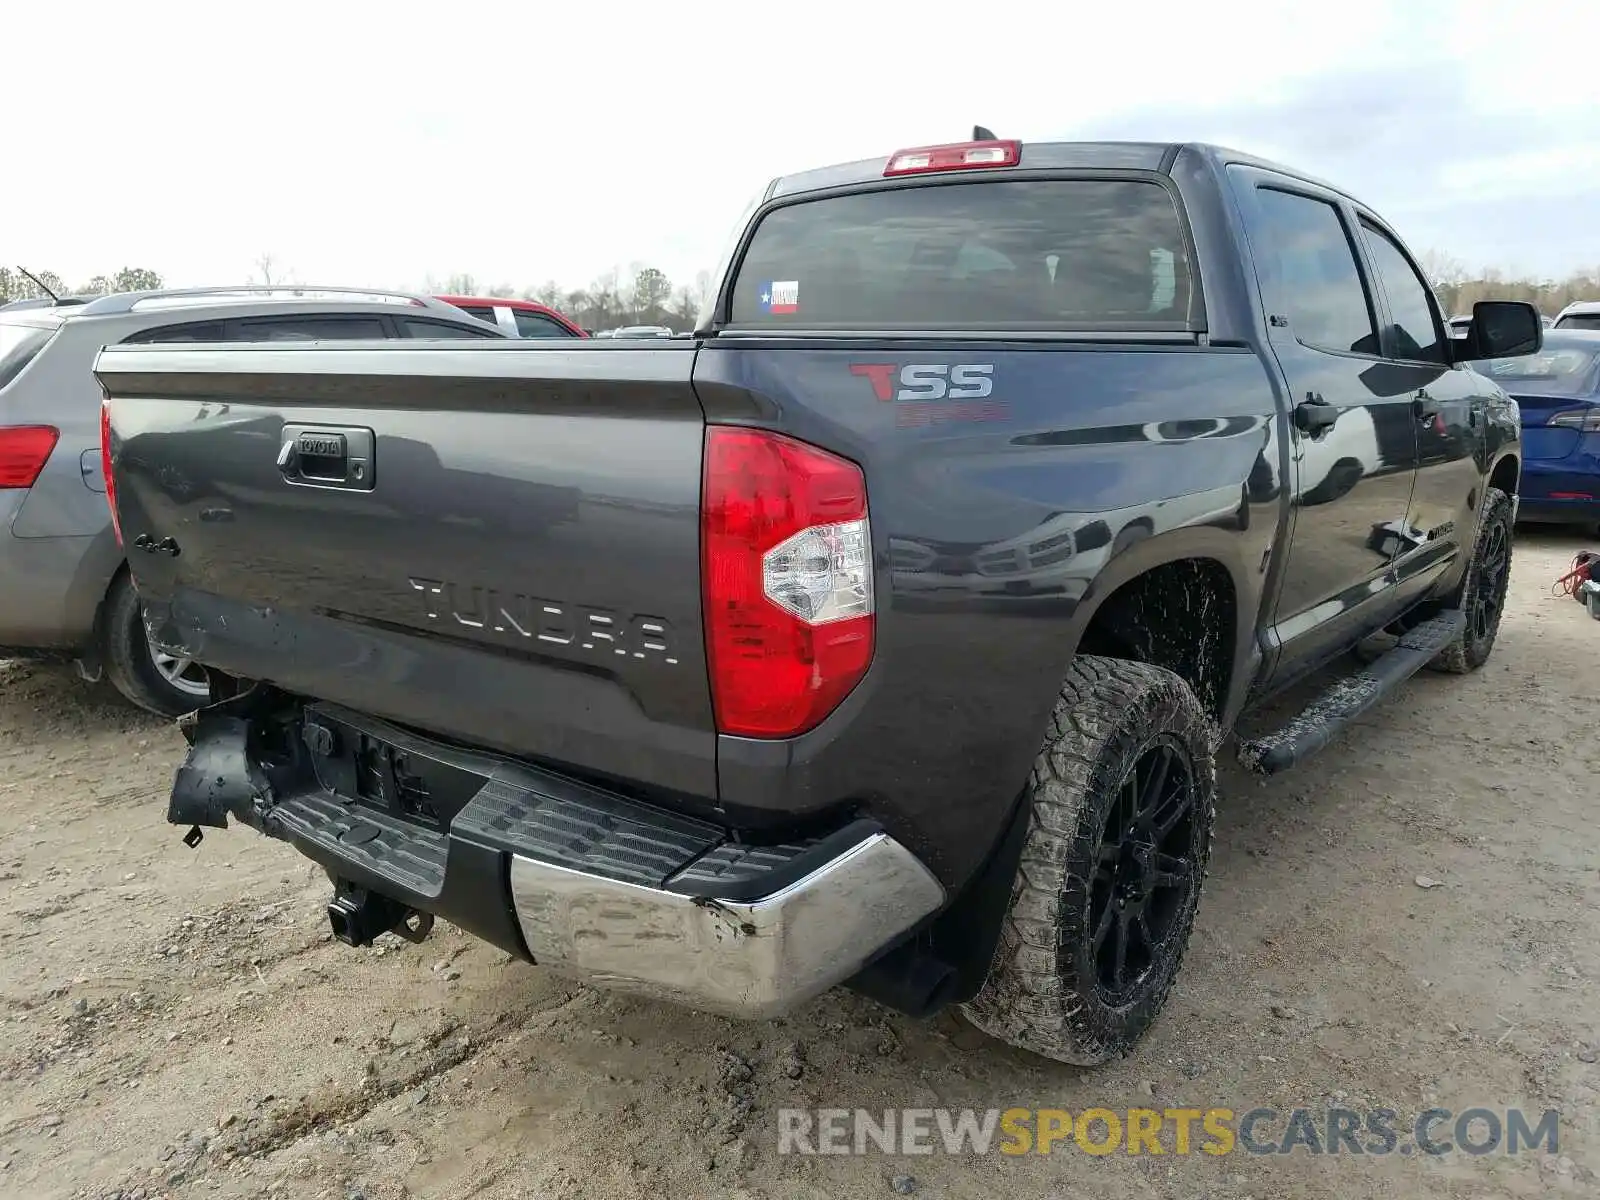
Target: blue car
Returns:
[[1558, 390]]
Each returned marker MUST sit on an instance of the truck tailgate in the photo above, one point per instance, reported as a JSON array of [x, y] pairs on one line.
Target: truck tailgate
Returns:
[[498, 544]]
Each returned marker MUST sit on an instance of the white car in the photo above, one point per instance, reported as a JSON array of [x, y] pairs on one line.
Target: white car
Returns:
[[1580, 314]]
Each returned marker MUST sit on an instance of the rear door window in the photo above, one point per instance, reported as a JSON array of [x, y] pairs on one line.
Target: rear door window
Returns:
[[18, 345], [193, 331], [482, 313], [310, 327], [417, 328], [1049, 254], [532, 325], [1328, 304]]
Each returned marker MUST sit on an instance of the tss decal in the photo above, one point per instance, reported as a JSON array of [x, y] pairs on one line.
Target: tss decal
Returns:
[[928, 381]]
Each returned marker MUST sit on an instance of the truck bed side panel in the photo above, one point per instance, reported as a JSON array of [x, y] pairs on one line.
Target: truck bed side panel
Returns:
[[522, 574], [999, 525]]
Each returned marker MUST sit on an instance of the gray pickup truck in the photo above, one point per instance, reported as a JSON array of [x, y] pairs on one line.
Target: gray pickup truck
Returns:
[[885, 632]]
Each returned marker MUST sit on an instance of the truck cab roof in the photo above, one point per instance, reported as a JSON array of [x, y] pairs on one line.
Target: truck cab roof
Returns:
[[1056, 156]]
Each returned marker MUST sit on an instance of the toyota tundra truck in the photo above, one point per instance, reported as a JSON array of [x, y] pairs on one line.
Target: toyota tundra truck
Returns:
[[886, 632]]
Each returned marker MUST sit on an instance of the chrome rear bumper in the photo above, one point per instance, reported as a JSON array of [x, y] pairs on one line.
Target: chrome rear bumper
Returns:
[[753, 958]]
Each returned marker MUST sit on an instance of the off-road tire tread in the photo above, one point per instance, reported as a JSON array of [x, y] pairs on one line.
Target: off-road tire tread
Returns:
[[1465, 654], [1031, 998]]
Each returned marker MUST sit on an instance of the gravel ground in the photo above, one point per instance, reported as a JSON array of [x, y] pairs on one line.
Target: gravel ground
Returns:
[[177, 1023]]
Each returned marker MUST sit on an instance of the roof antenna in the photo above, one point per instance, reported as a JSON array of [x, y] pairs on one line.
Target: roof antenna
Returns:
[[980, 134], [54, 299]]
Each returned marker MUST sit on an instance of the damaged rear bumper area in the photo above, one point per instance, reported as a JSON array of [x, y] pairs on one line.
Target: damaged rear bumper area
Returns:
[[581, 879]]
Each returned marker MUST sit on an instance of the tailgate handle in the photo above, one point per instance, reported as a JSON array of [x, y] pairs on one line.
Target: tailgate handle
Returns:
[[330, 456]]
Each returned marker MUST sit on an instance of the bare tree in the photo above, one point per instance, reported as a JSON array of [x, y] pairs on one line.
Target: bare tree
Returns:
[[135, 279], [651, 292], [605, 301], [685, 308], [28, 284], [579, 306], [1442, 270], [266, 273]]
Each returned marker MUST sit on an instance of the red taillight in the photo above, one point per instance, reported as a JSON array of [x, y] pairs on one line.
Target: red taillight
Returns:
[[24, 449], [105, 466], [961, 156], [786, 567]]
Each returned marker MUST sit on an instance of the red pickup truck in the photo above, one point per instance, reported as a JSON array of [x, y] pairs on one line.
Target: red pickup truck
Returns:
[[523, 318]]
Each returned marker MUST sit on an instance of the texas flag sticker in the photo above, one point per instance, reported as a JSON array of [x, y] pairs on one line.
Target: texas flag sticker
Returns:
[[780, 297]]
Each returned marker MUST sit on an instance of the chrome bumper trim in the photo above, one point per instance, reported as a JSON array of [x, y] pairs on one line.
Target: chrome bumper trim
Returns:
[[756, 958]]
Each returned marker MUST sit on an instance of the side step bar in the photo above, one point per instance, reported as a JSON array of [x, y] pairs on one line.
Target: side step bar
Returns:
[[1348, 697]]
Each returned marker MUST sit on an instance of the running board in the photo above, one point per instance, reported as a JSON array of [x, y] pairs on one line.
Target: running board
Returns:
[[1348, 697]]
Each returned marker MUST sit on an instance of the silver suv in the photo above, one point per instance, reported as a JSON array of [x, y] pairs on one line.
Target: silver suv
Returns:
[[64, 586]]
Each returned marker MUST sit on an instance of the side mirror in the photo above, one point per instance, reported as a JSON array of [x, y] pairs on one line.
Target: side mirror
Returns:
[[1500, 329]]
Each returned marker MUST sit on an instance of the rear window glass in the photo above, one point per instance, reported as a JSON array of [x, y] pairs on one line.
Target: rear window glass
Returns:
[[1579, 321], [1067, 254], [1557, 370], [18, 345]]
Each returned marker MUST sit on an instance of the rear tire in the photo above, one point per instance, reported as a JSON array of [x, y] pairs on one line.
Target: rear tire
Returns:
[[1482, 594], [1123, 796], [132, 667]]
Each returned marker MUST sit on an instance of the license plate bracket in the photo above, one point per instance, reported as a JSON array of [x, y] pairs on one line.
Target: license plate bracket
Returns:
[[363, 768]]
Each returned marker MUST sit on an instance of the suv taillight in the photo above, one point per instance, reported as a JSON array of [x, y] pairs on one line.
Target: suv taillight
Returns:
[[105, 466], [24, 449], [786, 566]]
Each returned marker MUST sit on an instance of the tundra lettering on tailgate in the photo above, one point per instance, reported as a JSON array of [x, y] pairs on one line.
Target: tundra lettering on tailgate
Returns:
[[554, 623]]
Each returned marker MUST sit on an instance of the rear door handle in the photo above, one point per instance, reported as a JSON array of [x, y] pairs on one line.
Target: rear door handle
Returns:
[[1424, 407], [1315, 415]]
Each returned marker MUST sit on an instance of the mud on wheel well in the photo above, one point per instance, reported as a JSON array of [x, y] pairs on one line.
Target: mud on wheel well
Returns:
[[1505, 475], [1181, 616]]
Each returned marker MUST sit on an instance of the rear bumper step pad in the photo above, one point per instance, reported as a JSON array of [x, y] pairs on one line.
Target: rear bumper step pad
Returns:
[[573, 876]]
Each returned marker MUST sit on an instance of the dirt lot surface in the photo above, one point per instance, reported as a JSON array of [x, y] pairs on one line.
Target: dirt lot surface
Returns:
[[177, 1023]]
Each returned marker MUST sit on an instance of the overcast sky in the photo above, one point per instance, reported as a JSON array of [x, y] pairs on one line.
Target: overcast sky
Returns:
[[376, 144]]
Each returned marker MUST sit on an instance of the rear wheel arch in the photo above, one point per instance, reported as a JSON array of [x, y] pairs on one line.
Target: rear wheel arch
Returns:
[[83, 606], [1506, 474], [126, 656], [1150, 604]]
